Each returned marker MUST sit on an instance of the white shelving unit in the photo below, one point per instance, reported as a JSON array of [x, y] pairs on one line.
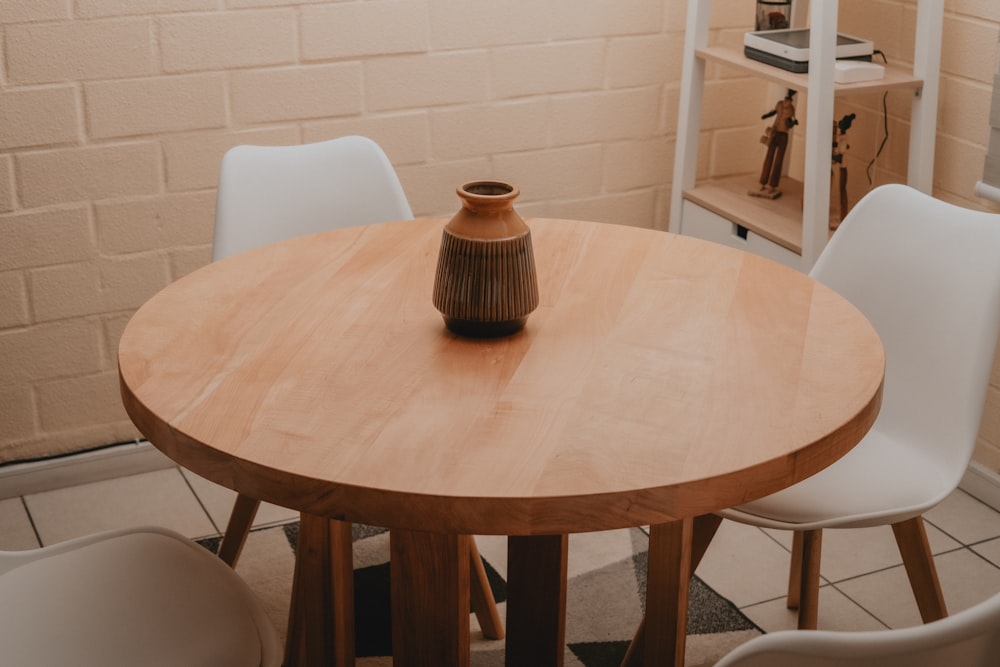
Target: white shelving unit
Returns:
[[721, 210]]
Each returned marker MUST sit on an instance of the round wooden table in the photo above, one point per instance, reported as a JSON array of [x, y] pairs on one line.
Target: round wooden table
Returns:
[[661, 377]]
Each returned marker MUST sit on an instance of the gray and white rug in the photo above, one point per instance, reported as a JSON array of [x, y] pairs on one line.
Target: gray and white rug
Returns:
[[605, 597]]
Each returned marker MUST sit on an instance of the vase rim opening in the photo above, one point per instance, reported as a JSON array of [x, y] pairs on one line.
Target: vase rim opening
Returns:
[[489, 188]]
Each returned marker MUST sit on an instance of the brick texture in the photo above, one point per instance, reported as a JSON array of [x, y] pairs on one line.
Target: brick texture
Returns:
[[79, 50], [45, 238], [603, 19], [183, 261], [585, 118], [457, 24], [114, 117], [13, 11], [472, 130], [222, 40], [80, 401], [646, 60], [17, 411], [58, 349], [6, 183], [38, 117], [557, 67], [353, 29], [426, 81], [88, 173], [293, 93], [155, 223], [13, 300], [89, 9], [90, 288], [136, 107]]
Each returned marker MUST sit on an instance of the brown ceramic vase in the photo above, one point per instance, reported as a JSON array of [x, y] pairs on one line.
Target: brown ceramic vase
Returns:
[[485, 285]]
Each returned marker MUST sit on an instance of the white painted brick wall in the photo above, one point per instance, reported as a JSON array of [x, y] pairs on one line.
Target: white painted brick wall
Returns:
[[114, 117]]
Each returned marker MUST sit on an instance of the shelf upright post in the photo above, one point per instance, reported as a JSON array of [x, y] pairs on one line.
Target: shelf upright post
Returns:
[[819, 119], [689, 114], [923, 117]]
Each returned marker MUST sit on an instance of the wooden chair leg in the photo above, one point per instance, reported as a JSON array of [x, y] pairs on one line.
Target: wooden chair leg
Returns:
[[240, 521], [812, 547], [911, 538], [483, 603], [795, 572]]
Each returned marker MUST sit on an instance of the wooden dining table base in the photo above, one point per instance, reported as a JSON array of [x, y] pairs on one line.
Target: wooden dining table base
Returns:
[[323, 585], [430, 579], [536, 600], [430, 583]]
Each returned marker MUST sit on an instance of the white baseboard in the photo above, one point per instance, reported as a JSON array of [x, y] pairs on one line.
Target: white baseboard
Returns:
[[19, 479], [983, 484]]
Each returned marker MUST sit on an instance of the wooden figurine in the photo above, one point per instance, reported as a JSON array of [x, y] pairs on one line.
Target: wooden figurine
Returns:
[[840, 147], [776, 139]]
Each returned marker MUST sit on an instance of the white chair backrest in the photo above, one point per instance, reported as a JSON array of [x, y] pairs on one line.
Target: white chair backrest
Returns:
[[970, 638], [271, 193], [926, 273], [134, 596]]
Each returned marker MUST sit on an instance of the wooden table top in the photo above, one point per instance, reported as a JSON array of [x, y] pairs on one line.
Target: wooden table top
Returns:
[[660, 377]]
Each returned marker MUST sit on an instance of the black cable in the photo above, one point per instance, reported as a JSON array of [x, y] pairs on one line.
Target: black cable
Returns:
[[885, 122]]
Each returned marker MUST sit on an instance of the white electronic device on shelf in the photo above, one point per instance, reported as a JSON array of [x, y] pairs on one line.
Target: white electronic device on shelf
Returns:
[[855, 71], [789, 49]]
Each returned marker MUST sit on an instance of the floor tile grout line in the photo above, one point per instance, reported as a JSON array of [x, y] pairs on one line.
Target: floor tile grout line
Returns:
[[895, 566], [863, 607], [781, 598], [978, 543], [201, 503], [984, 558], [931, 522]]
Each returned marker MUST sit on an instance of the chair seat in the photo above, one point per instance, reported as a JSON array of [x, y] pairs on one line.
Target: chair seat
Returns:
[[128, 599], [881, 480]]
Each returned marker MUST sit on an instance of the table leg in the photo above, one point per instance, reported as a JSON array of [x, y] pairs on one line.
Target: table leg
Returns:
[[536, 600], [661, 636], [321, 616], [704, 529], [430, 598]]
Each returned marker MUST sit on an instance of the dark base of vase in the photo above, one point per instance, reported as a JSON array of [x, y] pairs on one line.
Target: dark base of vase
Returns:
[[482, 329]]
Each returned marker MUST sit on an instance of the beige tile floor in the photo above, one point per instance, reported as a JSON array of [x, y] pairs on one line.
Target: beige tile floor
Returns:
[[864, 585]]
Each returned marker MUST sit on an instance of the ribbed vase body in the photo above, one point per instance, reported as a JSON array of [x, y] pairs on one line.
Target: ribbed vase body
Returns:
[[486, 285]]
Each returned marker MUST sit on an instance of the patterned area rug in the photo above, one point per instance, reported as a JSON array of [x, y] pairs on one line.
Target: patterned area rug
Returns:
[[605, 597]]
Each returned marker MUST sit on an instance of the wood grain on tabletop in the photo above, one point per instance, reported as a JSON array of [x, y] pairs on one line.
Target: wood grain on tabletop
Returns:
[[661, 376]]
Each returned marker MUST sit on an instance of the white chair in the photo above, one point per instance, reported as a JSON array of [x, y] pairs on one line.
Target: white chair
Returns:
[[970, 638], [144, 596], [926, 273], [271, 193]]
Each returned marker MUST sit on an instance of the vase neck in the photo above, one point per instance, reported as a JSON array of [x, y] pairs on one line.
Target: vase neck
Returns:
[[487, 211], [488, 196]]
